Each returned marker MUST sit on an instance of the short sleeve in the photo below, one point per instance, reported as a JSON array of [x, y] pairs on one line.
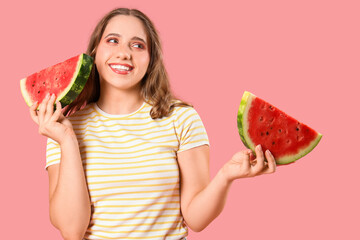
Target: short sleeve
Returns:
[[190, 129], [53, 152]]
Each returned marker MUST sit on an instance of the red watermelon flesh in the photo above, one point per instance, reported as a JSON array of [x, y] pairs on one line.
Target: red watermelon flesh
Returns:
[[66, 80], [260, 122], [37, 84]]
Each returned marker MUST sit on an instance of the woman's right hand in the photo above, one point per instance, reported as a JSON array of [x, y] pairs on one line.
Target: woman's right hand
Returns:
[[51, 124]]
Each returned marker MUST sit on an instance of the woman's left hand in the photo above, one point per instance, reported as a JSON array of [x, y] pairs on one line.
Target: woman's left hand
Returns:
[[244, 164]]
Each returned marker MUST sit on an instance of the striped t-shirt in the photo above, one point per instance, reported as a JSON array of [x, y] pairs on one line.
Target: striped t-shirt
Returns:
[[131, 169]]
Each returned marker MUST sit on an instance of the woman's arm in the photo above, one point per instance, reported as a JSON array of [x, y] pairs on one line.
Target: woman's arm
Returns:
[[203, 200], [68, 194], [69, 198]]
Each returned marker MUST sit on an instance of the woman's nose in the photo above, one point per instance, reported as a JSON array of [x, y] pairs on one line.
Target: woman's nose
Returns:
[[123, 53]]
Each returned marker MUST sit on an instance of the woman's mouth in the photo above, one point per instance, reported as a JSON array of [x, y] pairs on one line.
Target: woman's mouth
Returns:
[[121, 68]]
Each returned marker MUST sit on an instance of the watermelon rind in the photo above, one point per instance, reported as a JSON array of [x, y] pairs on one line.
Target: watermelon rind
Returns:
[[78, 81], [25, 93], [243, 127]]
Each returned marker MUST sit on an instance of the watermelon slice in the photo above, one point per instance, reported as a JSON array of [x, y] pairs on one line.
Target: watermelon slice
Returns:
[[261, 123], [66, 80]]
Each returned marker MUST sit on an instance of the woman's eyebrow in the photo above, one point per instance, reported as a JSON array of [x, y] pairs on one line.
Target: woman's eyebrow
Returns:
[[118, 35]]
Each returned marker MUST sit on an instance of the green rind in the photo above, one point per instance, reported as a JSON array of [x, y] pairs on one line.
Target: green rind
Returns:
[[243, 127], [77, 84], [79, 80], [241, 111]]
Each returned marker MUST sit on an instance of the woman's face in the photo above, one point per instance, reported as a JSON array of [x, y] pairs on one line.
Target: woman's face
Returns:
[[122, 56]]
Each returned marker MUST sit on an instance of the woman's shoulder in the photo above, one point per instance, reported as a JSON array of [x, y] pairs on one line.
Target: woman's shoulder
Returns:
[[181, 110]]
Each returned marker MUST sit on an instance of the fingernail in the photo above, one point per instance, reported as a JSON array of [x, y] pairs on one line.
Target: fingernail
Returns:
[[269, 153], [47, 95], [52, 96], [259, 147]]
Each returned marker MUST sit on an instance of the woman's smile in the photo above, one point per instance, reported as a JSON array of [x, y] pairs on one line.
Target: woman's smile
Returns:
[[121, 68]]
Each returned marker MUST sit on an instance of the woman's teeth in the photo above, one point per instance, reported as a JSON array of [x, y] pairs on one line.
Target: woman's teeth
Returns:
[[121, 67]]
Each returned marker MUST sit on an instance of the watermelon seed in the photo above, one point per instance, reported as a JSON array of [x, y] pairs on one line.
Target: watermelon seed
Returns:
[[297, 129], [288, 141], [38, 91], [273, 143], [279, 130], [271, 108], [261, 118], [33, 85], [267, 133]]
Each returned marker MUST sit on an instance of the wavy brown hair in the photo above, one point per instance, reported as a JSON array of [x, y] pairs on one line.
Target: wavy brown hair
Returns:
[[155, 86]]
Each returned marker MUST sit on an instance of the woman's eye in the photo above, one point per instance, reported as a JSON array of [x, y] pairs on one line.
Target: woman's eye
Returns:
[[112, 40], [139, 45]]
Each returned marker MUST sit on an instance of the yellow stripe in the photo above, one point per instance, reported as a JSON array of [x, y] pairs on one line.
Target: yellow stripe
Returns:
[[120, 163], [118, 130], [50, 142], [133, 146], [153, 191], [131, 174], [53, 161], [52, 154], [123, 168], [129, 147], [134, 139], [138, 231], [133, 218], [138, 205], [148, 210], [112, 136], [132, 130], [125, 125], [137, 151], [132, 180], [52, 148], [144, 155], [193, 135], [133, 186], [142, 224], [187, 127], [181, 114], [134, 199], [200, 140], [195, 121], [187, 118], [159, 236]]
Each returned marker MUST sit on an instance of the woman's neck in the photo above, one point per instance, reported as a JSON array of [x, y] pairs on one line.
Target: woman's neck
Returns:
[[120, 102]]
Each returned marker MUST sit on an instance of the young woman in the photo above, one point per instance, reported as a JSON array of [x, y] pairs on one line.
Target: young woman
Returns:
[[130, 161]]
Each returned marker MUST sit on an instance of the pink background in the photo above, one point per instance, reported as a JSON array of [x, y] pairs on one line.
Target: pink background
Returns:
[[301, 56]]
